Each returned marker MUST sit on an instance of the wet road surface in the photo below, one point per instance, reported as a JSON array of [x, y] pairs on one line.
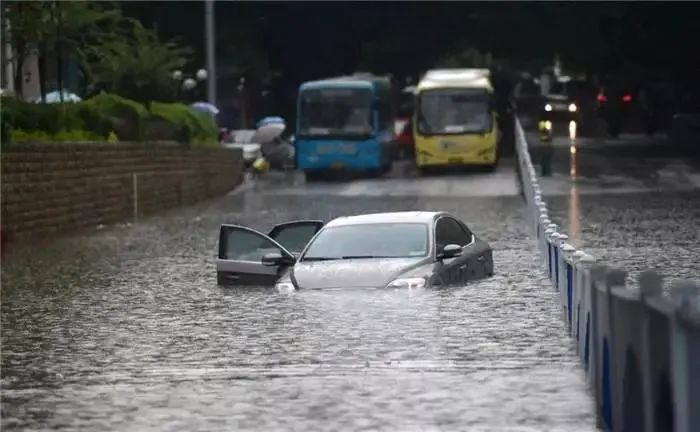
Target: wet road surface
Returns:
[[126, 329], [632, 202]]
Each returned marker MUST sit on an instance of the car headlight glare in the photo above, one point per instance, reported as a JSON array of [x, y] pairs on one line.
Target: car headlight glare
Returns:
[[410, 283], [285, 287], [548, 107], [572, 107]]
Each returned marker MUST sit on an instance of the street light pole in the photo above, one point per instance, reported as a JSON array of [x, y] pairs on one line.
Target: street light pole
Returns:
[[211, 51]]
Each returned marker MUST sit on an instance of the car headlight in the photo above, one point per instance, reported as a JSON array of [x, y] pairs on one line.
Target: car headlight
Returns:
[[285, 287], [572, 107], [548, 107], [410, 283]]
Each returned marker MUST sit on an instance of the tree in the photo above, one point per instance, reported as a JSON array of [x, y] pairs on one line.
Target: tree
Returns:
[[56, 29], [135, 64], [24, 32]]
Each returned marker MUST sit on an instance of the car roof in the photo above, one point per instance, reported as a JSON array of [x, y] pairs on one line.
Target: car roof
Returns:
[[424, 217]]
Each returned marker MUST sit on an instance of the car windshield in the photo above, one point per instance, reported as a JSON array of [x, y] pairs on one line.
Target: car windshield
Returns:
[[384, 240], [345, 111], [454, 111]]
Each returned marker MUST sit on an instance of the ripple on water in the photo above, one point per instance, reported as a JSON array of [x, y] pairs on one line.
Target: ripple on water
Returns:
[[127, 330]]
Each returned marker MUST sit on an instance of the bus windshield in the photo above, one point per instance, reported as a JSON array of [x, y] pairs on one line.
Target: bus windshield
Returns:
[[335, 111], [454, 111]]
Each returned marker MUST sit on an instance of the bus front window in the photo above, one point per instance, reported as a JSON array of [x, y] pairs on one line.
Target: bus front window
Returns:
[[325, 112], [455, 111]]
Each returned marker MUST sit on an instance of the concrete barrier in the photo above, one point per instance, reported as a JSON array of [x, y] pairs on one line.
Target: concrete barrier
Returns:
[[639, 348]]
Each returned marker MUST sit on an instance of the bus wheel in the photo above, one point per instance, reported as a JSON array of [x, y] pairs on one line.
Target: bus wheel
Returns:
[[312, 176], [386, 168], [497, 159]]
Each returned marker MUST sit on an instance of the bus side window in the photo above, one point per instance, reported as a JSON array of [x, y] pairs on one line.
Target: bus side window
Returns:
[[384, 109]]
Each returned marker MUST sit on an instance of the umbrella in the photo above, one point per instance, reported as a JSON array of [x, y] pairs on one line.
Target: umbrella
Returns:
[[268, 132], [270, 120], [55, 97], [205, 107]]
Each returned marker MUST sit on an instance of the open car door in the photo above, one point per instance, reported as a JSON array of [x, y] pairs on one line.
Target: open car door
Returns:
[[295, 235], [241, 252]]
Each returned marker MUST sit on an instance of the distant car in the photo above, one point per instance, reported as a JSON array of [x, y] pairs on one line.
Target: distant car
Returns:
[[559, 107], [381, 250], [615, 106], [241, 139]]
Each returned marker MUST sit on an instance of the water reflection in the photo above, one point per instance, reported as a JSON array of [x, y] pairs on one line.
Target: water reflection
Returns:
[[572, 129]]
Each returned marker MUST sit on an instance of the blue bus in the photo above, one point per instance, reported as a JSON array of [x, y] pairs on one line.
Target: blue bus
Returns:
[[347, 124]]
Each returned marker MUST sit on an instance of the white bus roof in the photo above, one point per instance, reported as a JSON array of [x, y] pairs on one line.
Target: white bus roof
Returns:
[[466, 78]]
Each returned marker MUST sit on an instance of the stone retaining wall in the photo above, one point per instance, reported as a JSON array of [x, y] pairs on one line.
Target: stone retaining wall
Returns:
[[61, 187]]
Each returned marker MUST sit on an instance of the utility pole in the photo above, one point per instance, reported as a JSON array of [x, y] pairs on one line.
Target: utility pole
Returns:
[[211, 50]]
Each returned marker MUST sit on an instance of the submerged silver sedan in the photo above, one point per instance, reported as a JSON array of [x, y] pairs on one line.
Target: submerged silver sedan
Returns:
[[381, 250]]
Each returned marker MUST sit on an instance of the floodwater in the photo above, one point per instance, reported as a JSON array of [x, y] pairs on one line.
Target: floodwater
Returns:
[[125, 328], [633, 203]]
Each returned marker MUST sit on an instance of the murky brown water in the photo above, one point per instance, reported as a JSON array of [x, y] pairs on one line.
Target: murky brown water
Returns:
[[126, 329]]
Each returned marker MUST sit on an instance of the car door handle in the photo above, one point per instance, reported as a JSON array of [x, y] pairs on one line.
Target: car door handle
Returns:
[[480, 258], [232, 276]]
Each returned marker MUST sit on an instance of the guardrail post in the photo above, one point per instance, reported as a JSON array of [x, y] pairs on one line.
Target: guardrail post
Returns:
[[560, 269], [584, 318], [627, 311], [650, 289], [597, 278], [659, 311], [606, 341], [554, 277], [541, 229], [566, 285], [574, 304], [550, 252], [685, 354]]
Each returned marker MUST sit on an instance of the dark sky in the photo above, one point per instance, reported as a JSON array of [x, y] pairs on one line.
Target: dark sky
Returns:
[[312, 39], [309, 40]]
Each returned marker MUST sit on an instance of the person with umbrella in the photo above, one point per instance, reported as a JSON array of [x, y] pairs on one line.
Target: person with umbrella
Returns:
[[276, 151], [205, 107]]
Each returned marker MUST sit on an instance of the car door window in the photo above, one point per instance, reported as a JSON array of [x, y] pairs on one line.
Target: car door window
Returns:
[[245, 245], [295, 235], [449, 231]]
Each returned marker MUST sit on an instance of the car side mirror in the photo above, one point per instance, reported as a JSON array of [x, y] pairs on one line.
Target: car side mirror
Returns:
[[451, 251], [276, 259]]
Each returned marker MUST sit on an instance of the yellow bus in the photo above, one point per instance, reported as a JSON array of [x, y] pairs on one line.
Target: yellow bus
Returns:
[[455, 119]]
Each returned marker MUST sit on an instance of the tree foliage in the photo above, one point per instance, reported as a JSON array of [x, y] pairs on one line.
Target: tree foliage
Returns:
[[56, 29], [117, 53], [135, 64]]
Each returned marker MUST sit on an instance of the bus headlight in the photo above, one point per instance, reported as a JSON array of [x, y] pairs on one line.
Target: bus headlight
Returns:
[[572, 107], [548, 107]]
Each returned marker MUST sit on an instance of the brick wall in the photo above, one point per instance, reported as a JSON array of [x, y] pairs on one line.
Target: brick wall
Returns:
[[59, 188]]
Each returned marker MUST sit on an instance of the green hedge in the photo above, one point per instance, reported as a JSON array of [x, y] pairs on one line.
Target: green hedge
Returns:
[[192, 126], [99, 118]]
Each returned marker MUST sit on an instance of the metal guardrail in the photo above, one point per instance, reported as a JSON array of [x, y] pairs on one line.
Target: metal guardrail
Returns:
[[639, 347]]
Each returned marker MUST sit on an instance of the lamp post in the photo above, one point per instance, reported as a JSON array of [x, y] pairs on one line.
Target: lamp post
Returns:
[[241, 91], [188, 82]]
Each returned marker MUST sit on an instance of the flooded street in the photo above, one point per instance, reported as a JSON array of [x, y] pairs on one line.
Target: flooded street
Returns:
[[126, 329], [632, 202]]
